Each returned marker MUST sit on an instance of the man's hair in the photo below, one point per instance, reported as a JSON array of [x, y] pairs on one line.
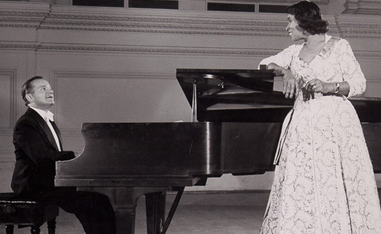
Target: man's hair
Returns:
[[28, 88], [308, 16]]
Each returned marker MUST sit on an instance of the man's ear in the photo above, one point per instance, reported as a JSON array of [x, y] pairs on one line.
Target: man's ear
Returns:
[[29, 97]]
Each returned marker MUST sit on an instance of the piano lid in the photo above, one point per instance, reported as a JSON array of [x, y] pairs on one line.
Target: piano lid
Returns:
[[220, 82], [224, 95], [233, 95]]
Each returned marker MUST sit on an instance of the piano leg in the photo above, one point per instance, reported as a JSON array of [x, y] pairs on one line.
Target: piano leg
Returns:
[[124, 201], [155, 212], [125, 219], [180, 191]]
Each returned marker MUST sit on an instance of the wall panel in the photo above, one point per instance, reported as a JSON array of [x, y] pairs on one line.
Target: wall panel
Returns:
[[7, 98], [113, 97], [7, 120]]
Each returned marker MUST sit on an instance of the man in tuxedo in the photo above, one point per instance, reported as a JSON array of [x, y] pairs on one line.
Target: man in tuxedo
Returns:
[[38, 146]]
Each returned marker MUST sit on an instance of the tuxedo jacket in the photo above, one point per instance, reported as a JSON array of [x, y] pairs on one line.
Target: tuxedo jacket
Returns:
[[36, 153]]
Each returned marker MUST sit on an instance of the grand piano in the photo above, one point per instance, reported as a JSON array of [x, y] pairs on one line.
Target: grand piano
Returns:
[[236, 122]]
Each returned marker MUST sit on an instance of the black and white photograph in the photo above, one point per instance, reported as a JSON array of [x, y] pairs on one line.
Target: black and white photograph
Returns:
[[190, 116]]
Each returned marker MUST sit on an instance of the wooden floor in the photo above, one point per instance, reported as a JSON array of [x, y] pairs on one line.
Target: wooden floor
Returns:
[[198, 213]]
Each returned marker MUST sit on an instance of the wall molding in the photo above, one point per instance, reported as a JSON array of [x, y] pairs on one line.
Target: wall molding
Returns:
[[252, 52], [174, 29], [19, 45], [58, 73], [126, 20], [364, 7], [40, 47], [157, 50], [92, 19], [23, 14], [87, 19]]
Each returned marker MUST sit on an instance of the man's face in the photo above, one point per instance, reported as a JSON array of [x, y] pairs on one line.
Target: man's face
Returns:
[[42, 96]]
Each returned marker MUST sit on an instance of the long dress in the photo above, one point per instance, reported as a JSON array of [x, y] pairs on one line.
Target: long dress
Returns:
[[324, 181]]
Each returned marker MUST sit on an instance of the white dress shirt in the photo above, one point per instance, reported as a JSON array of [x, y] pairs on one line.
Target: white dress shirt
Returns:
[[47, 115]]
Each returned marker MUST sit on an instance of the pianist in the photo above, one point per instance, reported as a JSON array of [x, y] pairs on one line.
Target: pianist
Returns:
[[324, 181], [37, 146]]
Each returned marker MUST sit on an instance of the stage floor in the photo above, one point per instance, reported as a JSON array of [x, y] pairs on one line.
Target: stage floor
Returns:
[[197, 213]]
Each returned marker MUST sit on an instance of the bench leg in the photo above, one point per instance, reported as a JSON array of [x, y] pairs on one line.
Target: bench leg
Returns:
[[9, 229], [52, 226]]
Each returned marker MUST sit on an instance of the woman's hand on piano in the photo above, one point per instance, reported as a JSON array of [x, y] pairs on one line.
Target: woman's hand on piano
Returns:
[[290, 84]]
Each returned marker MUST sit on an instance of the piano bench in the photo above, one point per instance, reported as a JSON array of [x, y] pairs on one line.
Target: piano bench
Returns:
[[26, 212]]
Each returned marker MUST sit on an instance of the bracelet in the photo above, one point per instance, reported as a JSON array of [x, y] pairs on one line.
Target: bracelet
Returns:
[[337, 88]]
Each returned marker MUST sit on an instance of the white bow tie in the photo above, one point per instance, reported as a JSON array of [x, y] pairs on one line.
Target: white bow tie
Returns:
[[49, 116]]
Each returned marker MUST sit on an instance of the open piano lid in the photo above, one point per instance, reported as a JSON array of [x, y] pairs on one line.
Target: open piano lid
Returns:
[[233, 95], [237, 95]]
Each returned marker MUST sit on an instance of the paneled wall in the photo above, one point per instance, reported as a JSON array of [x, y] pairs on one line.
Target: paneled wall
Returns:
[[119, 65]]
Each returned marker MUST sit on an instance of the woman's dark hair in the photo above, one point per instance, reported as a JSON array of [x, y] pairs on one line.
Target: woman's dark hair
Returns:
[[28, 87], [308, 16]]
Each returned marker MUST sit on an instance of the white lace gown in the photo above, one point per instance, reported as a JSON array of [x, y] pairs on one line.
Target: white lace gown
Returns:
[[324, 181]]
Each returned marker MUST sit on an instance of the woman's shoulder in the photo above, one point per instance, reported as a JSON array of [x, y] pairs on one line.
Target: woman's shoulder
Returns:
[[338, 40], [336, 43]]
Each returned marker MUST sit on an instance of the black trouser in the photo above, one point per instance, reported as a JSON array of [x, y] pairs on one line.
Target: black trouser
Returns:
[[93, 210]]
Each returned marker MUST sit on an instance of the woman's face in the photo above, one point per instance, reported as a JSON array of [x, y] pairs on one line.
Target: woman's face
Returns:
[[294, 30]]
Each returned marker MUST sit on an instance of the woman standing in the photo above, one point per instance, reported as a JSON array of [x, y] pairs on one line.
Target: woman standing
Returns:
[[324, 180]]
